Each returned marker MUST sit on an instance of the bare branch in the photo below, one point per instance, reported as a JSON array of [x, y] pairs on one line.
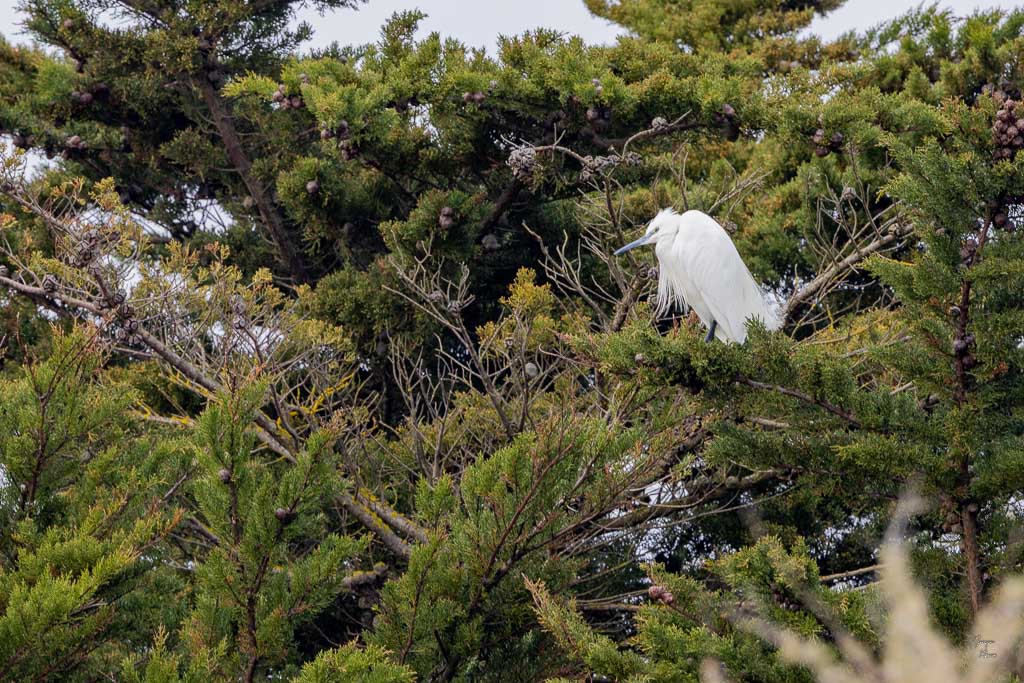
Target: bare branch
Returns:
[[827, 279]]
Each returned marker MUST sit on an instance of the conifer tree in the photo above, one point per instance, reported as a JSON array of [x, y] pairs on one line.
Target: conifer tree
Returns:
[[430, 428], [85, 510]]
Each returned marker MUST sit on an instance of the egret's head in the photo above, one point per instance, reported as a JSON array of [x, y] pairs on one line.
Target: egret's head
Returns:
[[664, 226]]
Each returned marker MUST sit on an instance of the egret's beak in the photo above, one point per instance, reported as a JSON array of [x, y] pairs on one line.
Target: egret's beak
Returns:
[[634, 244]]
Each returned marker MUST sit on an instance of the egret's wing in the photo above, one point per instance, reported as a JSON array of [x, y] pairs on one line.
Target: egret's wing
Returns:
[[721, 303], [724, 331]]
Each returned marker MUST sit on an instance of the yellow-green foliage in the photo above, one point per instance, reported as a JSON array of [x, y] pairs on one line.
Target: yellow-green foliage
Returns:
[[460, 582], [76, 500], [350, 663]]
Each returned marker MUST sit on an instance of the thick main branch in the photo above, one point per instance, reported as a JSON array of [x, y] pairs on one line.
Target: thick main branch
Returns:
[[291, 257]]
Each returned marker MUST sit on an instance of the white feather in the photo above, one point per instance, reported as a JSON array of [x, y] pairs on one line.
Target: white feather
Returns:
[[700, 269]]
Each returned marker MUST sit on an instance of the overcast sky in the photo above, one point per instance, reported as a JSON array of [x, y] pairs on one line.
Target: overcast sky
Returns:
[[480, 22]]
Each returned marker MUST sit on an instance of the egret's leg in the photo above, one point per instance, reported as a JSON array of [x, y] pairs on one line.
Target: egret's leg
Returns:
[[711, 331]]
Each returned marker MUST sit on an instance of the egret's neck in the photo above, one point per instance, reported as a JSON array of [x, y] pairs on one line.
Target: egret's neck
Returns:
[[667, 250]]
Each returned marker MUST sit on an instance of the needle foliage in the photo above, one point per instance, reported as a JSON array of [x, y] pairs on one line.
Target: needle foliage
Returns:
[[317, 364]]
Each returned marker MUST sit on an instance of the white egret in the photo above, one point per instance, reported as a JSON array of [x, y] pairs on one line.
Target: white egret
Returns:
[[700, 268]]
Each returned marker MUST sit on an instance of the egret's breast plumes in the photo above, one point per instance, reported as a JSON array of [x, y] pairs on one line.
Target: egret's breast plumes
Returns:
[[699, 268]]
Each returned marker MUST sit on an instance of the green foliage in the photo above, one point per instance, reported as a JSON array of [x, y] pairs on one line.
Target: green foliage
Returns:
[[81, 506], [673, 638], [349, 663], [254, 588], [366, 396], [458, 599], [715, 25]]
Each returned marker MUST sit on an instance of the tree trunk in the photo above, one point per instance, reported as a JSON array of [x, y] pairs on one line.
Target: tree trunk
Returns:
[[972, 558], [291, 257]]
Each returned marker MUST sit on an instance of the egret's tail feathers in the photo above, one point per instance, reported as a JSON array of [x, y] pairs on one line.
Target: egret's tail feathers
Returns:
[[771, 319]]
